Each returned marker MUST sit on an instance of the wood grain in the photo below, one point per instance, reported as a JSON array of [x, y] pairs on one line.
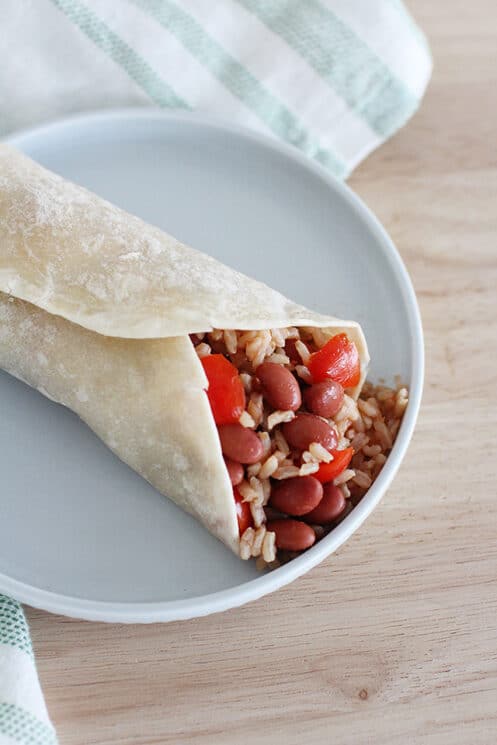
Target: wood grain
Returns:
[[394, 638]]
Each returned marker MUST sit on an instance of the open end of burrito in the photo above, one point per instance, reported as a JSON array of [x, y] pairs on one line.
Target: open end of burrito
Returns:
[[298, 447]]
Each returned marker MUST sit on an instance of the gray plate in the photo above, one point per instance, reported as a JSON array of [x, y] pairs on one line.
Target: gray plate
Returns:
[[82, 534]]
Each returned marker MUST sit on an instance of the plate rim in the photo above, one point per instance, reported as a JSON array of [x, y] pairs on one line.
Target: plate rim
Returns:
[[176, 610]]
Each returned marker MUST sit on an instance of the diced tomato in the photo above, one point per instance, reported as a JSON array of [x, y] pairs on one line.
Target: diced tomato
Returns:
[[225, 392], [243, 514], [329, 471], [337, 360]]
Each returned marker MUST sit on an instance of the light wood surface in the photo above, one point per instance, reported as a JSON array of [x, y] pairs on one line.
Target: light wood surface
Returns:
[[394, 638]]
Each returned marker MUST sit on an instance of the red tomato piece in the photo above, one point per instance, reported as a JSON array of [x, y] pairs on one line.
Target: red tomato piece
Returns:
[[338, 360], [243, 514], [225, 393], [329, 471]]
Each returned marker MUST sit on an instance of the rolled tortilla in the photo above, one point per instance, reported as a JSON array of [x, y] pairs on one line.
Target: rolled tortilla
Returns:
[[95, 311]]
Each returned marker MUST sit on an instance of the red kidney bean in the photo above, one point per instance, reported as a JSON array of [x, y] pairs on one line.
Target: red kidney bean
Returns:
[[330, 507], [235, 471], [239, 443], [291, 535], [296, 496], [279, 386], [324, 399], [307, 428]]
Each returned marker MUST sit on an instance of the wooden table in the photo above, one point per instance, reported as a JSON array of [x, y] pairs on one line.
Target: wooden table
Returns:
[[394, 638]]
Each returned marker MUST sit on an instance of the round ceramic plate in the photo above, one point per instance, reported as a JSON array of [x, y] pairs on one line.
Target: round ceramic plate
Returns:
[[80, 533]]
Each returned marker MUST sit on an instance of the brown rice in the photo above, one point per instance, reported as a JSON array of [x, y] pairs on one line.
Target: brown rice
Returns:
[[303, 352], [202, 349], [269, 467], [303, 373], [279, 417], [319, 453], [307, 469], [247, 421]]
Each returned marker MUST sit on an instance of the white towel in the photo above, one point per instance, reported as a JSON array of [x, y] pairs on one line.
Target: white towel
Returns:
[[334, 78], [23, 714]]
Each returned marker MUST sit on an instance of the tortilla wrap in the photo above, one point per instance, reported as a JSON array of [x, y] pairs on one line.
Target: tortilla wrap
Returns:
[[95, 311]]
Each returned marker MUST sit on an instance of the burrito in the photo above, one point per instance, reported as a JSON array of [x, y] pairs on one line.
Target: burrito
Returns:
[[231, 400]]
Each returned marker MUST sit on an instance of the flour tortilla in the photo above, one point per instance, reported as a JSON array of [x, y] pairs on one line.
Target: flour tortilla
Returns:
[[95, 311]]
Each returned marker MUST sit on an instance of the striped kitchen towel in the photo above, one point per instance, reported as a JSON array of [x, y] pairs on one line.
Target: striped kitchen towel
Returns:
[[23, 714], [334, 78]]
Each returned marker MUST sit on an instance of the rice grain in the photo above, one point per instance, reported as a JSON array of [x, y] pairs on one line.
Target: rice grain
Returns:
[[266, 443], [269, 467], [231, 341], [359, 442], [371, 450], [345, 476], [258, 515], [286, 472], [308, 468], [246, 541], [247, 421], [279, 417], [280, 442], [269, 547], [278, 336], [202, 350], [303, 373], [362, 479], [253, 470], [383, 434], [279, 359], [303, 352], [247, 492], [246, 379], [320, 453]]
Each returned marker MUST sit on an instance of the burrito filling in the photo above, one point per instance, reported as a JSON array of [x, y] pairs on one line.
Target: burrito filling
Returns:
[[300, 452]]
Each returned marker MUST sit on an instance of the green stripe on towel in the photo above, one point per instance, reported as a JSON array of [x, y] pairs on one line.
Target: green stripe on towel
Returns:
[[239, 81], [23, 727], [121, 53], [341, 58], [14, 630]]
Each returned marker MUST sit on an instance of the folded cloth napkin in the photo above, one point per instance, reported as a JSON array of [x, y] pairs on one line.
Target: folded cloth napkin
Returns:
[[23, 714], [334, 78]]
